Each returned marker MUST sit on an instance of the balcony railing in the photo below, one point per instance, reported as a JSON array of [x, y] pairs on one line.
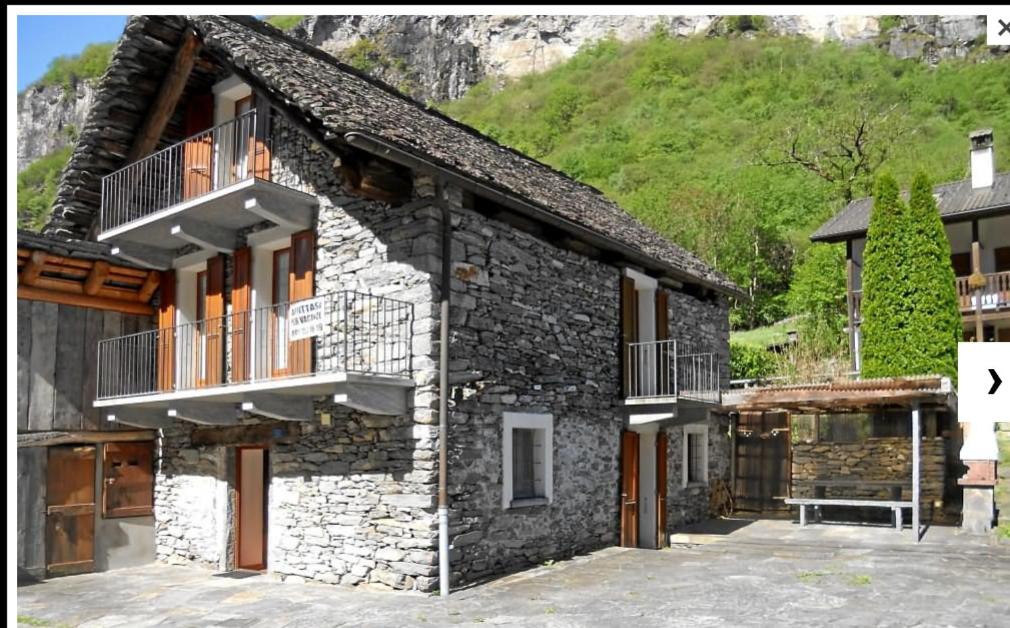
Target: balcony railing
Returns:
[[668, 368], [203, 163], [342, 332], [995, 293]]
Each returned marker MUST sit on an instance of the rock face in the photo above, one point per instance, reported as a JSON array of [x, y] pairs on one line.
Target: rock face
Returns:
[[49, 118], [441, 57]]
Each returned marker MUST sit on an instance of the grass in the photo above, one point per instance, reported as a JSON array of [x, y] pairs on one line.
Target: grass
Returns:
[[766, 336], [812, 576], [284, 22], [36, 188], [32, 621], [860, 580]]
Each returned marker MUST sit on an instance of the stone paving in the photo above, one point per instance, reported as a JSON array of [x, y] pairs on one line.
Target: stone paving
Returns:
[[731, 575]]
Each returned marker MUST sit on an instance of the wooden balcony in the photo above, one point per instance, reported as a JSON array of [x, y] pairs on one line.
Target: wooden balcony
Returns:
[[199, 191], [995, 296]]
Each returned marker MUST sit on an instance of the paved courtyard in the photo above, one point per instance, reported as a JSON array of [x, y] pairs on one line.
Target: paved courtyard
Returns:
[[725, 574]]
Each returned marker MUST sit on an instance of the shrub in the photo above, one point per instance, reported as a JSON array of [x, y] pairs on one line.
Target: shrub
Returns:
[[37, 188], [750, 362], [68, 70]]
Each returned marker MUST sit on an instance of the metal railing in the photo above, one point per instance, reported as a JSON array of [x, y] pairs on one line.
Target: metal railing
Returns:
[[671, 368], [230, 152], [347, 331]]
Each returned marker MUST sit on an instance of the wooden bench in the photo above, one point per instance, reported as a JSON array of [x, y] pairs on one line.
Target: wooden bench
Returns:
[[803, 502]]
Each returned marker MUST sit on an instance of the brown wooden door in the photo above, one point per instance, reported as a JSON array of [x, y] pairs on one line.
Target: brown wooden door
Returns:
[[128, 486], [70, 509], [251, 470], [629, 489], [198, 152], [762, 461], [661, 448]]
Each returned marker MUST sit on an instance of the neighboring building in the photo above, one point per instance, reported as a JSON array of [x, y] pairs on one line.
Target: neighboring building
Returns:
[[294, 210], [85, 486], [976, 215]]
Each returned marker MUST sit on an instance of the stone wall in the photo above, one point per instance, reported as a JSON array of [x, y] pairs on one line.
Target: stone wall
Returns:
[[690, 504], [871, 459], [534, 329]]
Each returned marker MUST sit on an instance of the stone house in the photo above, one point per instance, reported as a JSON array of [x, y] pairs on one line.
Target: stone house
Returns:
[[386, 348]]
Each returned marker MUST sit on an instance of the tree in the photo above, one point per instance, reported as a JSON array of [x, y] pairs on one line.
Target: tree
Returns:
[[886, 306], [817, 297], [845, 146], [934, 327], [911, 321]]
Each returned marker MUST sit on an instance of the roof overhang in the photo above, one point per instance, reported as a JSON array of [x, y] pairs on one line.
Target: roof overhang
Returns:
[[844, 395], [948, 219]]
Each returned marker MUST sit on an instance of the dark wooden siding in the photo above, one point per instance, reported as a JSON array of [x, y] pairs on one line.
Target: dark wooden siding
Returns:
[[57, 363]]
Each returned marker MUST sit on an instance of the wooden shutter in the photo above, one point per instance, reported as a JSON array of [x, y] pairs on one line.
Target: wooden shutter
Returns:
[[166, 331], [128, 472], [661, 447], [303, 262], [197, 153], [261, 144], [215, 322], [241, 300], [629, 489], [664, 350], [629, 329]]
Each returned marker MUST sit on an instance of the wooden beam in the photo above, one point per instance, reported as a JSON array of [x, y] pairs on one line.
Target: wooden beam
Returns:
[[150, 285], [32, 293], [168, 96], [206, 236], [96, 278], [46, 439], [33, 269], [58, 284], [280, 408]]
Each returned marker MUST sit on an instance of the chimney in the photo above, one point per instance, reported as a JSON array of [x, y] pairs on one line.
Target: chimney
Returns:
[[983, 164]]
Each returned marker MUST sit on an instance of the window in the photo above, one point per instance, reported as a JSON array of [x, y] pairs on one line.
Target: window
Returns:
[[128, 479], [527, 459], [695, 454], [961, 263]]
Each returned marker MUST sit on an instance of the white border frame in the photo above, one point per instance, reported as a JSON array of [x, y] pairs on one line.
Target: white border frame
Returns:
[[695, 428], [524, 420]]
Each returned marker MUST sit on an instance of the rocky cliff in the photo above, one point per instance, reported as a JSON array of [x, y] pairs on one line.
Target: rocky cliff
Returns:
[[441, 57]]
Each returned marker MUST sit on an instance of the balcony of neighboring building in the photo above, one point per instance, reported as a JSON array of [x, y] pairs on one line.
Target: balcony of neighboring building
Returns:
[[351, 347], [201, 191]]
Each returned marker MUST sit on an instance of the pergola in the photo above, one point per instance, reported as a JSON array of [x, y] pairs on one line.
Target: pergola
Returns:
[[840, 396]]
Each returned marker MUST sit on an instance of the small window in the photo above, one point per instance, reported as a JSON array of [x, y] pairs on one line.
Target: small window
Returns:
[[527, 454], [128, 480], [695, 454]]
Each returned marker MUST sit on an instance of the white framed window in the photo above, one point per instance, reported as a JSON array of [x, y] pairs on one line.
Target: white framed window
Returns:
[[695, 466], [527, 459]]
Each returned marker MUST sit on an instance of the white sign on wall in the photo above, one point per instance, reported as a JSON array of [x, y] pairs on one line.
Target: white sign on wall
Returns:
[[307, 318]]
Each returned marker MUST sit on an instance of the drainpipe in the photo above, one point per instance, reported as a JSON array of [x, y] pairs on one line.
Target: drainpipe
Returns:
[[443, 394]]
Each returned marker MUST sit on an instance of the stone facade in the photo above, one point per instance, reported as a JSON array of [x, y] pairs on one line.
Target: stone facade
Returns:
[[690, 504]]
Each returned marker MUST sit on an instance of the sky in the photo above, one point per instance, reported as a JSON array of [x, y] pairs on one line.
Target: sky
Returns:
[[42, 38]]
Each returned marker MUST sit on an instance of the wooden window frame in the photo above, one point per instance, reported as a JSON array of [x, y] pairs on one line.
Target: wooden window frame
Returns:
[[701, 430], [543, 424], [144, 510]]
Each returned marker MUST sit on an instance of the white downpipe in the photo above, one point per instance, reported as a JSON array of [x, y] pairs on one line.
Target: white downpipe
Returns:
[[443, 551]]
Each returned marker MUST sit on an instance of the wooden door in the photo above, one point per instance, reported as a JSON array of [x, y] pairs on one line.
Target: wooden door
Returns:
[[763, 453], [198, 152], [661, 448], [210, 329], [70, 509], [251, 470], [629, 489], [128, 484]]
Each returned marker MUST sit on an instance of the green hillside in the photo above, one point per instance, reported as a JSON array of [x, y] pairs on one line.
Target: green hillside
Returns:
[[682, 132]]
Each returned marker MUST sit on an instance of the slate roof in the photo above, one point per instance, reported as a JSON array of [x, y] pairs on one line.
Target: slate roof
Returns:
[[335, 99], [955, 200], [69, 247]]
